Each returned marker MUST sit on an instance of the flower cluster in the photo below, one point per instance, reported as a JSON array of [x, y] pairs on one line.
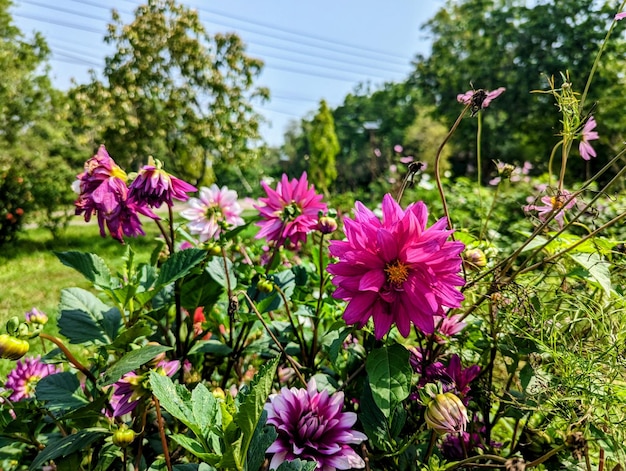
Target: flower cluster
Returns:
[[102, 190], [311, 426], [397, 270]]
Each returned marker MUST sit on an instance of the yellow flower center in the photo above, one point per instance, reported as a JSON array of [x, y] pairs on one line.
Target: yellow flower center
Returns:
[[557, 202], [397, 272]]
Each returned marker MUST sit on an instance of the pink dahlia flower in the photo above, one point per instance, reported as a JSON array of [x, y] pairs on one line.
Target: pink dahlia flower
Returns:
[[588, 134], [24, 377], [290, 212], [129, 390], [216, 210], [396, 270], [553, 204], [312, 427], [154, 186]]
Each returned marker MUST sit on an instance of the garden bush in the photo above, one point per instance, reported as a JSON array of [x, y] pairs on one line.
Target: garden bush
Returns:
[[15, 202], [481, 330]]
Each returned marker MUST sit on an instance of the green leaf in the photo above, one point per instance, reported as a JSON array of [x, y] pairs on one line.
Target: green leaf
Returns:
[[337, 343], [263, 437], [89, 265], [389, 373], [211, 346], [251, 407], [597, 269], [297, 465], [200, 290], [196, 448], [133, 360], [223, 276], [179, 265], [67, 445], [86, 319], [128, 336], [205, 409], [61, 391], [373, 420]]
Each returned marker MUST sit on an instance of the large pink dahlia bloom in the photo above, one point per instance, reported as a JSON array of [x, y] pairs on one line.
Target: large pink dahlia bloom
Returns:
[[290, 212], [396, 270], [312, 427]]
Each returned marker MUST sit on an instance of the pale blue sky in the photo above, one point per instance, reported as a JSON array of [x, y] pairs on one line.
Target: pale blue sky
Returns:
[[312, 50]]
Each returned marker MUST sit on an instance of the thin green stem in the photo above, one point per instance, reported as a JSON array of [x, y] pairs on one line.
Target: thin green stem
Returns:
[[479, 163], [483, 230], [550, 162]]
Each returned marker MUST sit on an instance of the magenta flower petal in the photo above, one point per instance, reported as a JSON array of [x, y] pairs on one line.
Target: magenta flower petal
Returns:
[[620, 16], [23, 379], [588, 134], [395, 269], [154, 186]]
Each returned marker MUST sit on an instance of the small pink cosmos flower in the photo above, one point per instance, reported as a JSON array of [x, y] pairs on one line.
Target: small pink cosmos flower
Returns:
[[290, 212], [154, 186], [215, 211], [588, 134], [396, 270], [620, 16], [24, 377], [311, 426], [479, 99], [553, 204]]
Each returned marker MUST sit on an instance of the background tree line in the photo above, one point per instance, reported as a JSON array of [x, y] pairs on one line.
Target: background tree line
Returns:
[[186, 96]]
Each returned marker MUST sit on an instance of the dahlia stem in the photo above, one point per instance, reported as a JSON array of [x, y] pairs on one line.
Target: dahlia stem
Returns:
[[438, 162], [296, 331], [79, 366], [166, 452], [291, 361], [472, 459], [316, 319]]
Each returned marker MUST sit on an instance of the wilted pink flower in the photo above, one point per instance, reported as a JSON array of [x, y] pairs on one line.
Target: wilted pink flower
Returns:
[[587, 134], [312, 427], [290, 212], [154, 186], [215, 211], [479, 99], [396, 270], [24, 377], [552, 204], [130, 388], [103, 191], [620, 16]]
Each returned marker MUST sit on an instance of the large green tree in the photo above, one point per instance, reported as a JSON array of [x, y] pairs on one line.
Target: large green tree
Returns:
[[518, 44], [323, 148], [174, 91]]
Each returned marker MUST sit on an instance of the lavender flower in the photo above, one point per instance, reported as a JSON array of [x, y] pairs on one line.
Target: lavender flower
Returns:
[[311, 427]]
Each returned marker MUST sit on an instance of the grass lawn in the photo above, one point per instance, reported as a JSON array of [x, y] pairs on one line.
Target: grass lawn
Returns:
[[32, 276]]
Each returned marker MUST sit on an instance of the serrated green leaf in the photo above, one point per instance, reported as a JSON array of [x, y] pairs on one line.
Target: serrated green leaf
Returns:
[[263, 437], [224, 276], [179, 265], [200, 290], [86, 319], [89, 265], [389, 373], [131, 361], [65, 446], [251, 407], [61, 391], [205, 409], [597, 268], [175, 399], [128, 336]]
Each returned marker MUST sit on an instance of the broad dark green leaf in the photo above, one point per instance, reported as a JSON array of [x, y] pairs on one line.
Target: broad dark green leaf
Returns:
[[131, 361], [297, 465], [389, 373], [263, 437], [179, 265], [67, 445], [86, 319], [137, 331], [196, 448], [200, 290], [89, 265], [175, 399], [211, 346], [62, 391]]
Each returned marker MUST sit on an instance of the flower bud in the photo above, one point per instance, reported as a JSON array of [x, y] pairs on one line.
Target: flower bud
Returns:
[[326, 225], [446, 413], [13, 324], [123, 436], [12, 348], [265, 286], [35, 316], [475, 258], [218, 393]]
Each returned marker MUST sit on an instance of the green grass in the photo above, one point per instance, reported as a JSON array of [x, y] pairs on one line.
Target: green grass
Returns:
[[32, 276]]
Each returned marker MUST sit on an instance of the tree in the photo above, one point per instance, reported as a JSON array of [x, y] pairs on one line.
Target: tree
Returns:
[[324, 147], [517, 44], [173, 91]]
